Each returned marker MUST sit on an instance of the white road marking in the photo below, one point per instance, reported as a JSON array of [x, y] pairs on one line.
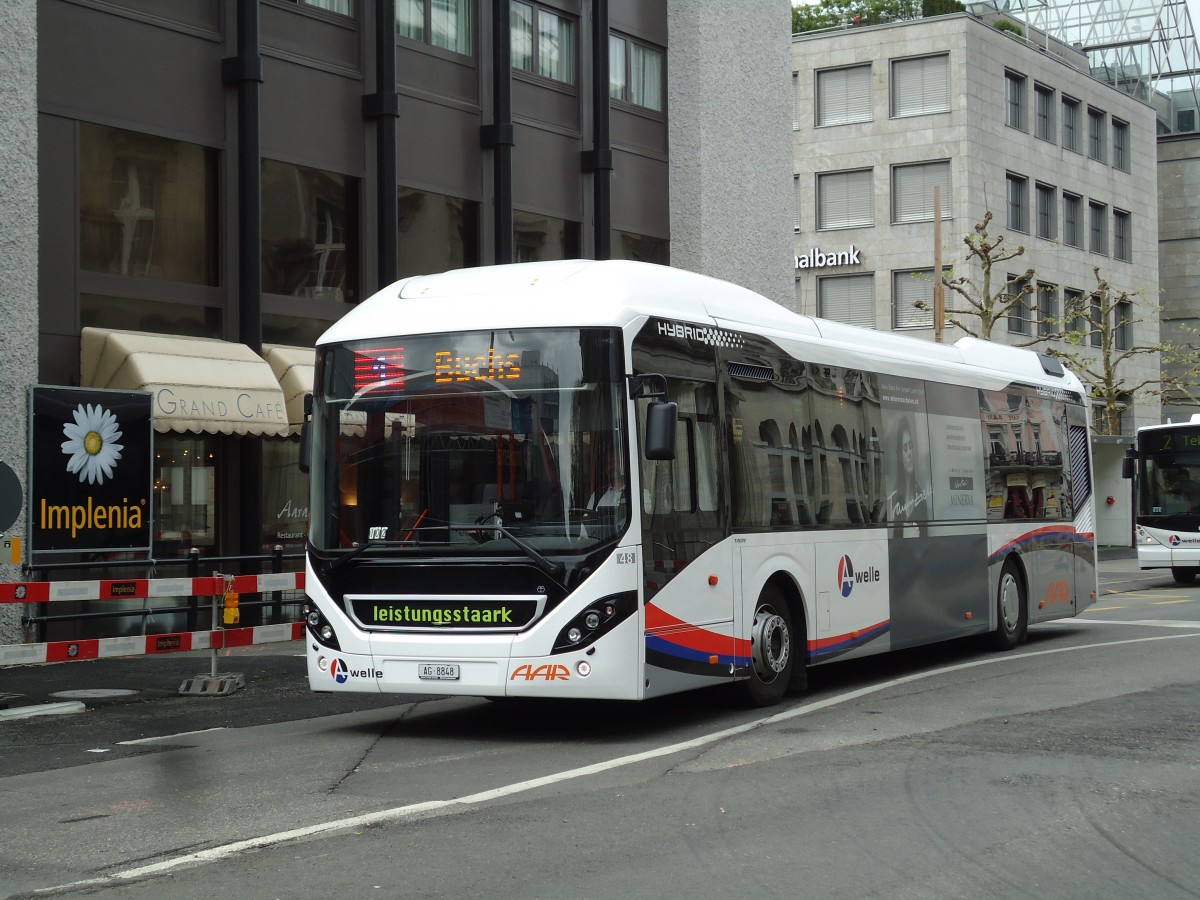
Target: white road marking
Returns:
[[169, 737], [225, 851]]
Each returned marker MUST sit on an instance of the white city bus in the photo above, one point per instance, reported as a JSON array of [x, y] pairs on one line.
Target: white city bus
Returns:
[[1165, 463], [584, 479]]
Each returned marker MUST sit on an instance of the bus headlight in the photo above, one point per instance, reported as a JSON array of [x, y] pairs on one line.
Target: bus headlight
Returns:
[[584, 668], [595, 620], [319, 627]]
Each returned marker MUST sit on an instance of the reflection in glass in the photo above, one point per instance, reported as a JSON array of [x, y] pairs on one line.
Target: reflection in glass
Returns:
[[147, 206], [309, 233], [537, 237], [436, 232], [454, 441], [128, 314], [640, 247]]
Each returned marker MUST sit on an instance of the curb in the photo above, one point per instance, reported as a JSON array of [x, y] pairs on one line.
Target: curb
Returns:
[[42, 709]]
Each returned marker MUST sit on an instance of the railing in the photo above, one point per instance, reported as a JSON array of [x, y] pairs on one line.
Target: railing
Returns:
[[36, 621]]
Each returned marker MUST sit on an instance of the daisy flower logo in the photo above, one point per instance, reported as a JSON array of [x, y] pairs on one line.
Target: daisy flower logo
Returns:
[[91, 443]]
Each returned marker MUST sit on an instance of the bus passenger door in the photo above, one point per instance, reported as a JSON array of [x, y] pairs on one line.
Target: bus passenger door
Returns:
[[687, 564]]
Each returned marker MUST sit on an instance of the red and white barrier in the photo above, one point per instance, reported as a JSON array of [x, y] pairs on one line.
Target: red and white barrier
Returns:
[[147, 588], [139, 645]]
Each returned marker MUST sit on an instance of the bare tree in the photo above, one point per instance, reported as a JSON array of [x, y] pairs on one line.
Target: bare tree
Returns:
[[979, 302], [1103, 321]]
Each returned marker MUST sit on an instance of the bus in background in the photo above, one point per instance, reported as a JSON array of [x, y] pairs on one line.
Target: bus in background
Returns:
[[582, 479], [1164, 464]]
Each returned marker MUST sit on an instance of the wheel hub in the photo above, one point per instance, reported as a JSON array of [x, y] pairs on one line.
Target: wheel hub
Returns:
[[771, 645]]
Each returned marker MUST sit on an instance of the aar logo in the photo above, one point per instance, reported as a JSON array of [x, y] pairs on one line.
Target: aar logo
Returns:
[[1174, 540], [846, 575]]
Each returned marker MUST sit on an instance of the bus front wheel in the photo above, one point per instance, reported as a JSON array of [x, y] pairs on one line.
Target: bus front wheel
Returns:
[[1184, 574], [772, 649], [1012, 612]]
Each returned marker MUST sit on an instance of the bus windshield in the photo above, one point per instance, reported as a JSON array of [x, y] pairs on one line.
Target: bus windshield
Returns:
[[1169, 485], [470, 443]]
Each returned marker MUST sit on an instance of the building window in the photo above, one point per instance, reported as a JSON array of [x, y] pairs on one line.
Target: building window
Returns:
[[1047, 214], [910, 287], [635, 73], [843, 95], [342, 7], [847, 298], [435, 232], [1070, 124], [1018, 313], [546, 48], [1120, 145], [1014, 100], [1123, 327], [1018, 202], [1095, 134], [147, 206], [1185, 121], [309, 233], [845, 199], [1047, 300], [449, 24], [1043, 112], [921, 85], [1072, 220], [1098, 228], [795, 101], [640, 247], [912, 191], [1074, 309], [796, 202], [537, 237], [1097, 320], [1122, 245]]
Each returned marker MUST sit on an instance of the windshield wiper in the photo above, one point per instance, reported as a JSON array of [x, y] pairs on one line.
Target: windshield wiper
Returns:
[[357, 550], [551, 567]]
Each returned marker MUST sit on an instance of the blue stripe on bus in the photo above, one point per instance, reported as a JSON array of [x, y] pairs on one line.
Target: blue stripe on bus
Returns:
[[849, 643], [703, 656], [1042, 535]]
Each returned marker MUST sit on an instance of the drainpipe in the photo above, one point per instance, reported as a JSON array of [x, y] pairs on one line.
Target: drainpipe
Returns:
[[384, 108], [598, 160], [498, 137]]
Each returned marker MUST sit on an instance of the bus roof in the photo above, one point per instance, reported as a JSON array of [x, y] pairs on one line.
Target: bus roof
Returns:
[[616, 293]]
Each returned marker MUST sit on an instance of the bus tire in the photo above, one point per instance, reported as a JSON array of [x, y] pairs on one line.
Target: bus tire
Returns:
[[1184, 574], [1012, 612], [772, 649]]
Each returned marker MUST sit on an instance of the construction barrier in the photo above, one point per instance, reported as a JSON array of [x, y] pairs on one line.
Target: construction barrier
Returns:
[[147, 588]]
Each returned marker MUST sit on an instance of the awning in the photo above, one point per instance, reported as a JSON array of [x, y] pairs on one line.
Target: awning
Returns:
[[197, 384], [293, 368]]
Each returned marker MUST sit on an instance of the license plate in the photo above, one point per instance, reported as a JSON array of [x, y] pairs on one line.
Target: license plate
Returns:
[[437, 671]]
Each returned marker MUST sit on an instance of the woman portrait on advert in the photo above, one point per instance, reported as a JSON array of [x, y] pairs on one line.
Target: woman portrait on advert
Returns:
[[909, 500]]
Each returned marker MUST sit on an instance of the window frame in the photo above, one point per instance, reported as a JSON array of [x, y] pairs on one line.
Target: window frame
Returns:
[[1095, 133], [1122, 236], [1015, 105], [1073, 226], [1098, 227], [1044, 121], [1016, 206], [1019, 314], [1046, 212], [865, 321], [1120, 145], [426, 39], [850, 114], [1070, 123], [826, 178], [925, 212], [919, 106], [628, 82], [535, 56], [1047, 305]]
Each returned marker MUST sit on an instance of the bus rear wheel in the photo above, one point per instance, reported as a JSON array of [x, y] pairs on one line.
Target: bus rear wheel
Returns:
[[1012, 612], [772, 649], [1184, 574]]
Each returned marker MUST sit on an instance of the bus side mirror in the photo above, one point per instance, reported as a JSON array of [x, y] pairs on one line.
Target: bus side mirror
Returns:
[[306, 436], [1128, 464], [661, 416]]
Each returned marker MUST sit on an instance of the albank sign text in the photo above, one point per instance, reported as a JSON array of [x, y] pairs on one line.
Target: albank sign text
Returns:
[[819, 259]]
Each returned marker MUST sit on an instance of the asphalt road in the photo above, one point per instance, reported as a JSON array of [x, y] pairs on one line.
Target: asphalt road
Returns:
[[1070, 768]]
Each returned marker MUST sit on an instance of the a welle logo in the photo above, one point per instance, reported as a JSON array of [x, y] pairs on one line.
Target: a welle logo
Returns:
[[342, 673], [848, 576]]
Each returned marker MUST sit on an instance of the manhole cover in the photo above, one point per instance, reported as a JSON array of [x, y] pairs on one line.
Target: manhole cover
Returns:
[[93, 694]]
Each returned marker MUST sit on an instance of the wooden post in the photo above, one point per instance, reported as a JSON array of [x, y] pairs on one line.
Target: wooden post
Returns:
[[939, 292]]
